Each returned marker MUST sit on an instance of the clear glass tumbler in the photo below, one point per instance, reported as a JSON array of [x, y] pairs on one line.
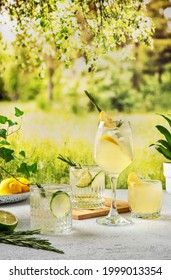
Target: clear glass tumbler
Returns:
[[145, 199], [88, 184], [51, 209]]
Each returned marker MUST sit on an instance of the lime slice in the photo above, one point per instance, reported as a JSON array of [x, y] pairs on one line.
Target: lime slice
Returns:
[[8, 221], [85, 179], [98, 180], [78, 172], [60, 204]]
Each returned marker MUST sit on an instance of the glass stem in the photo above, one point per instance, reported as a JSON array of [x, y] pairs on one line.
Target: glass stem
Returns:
[[113, 208]]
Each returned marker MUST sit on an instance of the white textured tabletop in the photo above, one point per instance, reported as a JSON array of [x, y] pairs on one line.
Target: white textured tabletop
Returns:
[[144, 239]]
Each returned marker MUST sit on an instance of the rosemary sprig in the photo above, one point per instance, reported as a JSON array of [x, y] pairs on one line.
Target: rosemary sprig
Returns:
[[19, 238], [42, 189], [98, 108], [68, 161], [92, 100]]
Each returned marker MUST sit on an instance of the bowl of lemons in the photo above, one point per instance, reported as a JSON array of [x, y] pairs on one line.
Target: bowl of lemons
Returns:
[[14, 190]]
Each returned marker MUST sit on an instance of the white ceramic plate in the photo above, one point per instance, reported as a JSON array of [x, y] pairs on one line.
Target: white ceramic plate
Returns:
[[4, 199]]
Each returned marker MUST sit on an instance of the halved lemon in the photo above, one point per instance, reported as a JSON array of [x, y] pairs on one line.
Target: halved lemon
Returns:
[[8, 221], [133, 178], [109, 138], [60, 204]]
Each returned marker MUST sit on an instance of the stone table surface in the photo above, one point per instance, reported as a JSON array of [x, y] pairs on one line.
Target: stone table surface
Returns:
[[143, 240]]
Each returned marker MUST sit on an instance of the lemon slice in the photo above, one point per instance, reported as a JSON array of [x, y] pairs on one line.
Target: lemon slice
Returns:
[[8, 221], [84, 180], [133, 178], [60, 204], [108, 138]]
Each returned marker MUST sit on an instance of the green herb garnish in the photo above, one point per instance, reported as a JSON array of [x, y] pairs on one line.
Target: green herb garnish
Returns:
[[92, 100], [20, 238], [69, 161], [42, 189]]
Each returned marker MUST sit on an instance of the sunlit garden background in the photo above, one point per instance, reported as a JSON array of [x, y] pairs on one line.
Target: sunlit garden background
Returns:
[[133, 82]]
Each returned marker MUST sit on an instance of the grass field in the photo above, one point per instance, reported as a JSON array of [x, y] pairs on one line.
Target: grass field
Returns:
[[45, 134]]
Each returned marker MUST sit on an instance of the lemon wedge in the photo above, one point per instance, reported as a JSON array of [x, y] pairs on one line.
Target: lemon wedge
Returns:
[[103, 116], [133, 178], [108, 122], [109, 138]]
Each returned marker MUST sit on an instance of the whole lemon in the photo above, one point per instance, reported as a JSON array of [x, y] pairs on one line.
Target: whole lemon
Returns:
[[10, 186], [25, 184]]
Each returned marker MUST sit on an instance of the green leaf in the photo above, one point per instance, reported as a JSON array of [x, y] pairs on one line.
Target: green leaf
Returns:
[[6, 154], [165, 132], [164, 152], [23, 168], [4, 142], [11, 123], [18, 112], [3, 133], [22, 153], [3, 119], [167, 119], [26, 169], [33, 168], [164, 143]]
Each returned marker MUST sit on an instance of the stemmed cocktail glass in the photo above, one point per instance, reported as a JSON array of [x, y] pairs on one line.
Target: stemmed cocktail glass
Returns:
[[113, 152]]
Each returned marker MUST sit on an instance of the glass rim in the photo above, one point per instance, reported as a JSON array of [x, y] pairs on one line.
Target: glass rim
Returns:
[[89, 166], [48, 186], [114, 124], [146, 182], [115, 120]]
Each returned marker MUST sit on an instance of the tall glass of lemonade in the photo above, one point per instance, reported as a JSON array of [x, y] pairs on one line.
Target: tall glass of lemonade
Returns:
[[113, 152]]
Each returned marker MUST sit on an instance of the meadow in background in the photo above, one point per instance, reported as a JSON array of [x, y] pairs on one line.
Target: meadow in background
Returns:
[[46, 133]]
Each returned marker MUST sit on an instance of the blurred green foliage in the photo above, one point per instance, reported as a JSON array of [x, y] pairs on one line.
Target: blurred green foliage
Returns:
[[139, 84], [59, 117]]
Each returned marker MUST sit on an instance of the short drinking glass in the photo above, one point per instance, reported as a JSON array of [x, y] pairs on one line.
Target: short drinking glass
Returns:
[[51, 209], [88, 184], [145, 199]]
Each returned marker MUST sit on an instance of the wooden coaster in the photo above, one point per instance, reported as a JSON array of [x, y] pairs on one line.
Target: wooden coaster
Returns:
[[80, 214]]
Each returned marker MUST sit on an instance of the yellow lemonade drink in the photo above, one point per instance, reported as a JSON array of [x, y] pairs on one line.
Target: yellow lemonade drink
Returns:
[[145, 198], [113, 152]]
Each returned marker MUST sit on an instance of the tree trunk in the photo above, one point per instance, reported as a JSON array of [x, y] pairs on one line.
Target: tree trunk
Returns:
[[50, 83]]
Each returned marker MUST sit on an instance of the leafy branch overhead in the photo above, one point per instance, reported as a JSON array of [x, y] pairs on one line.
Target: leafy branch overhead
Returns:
[[163, 146], [67, 29], [7, 153]]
